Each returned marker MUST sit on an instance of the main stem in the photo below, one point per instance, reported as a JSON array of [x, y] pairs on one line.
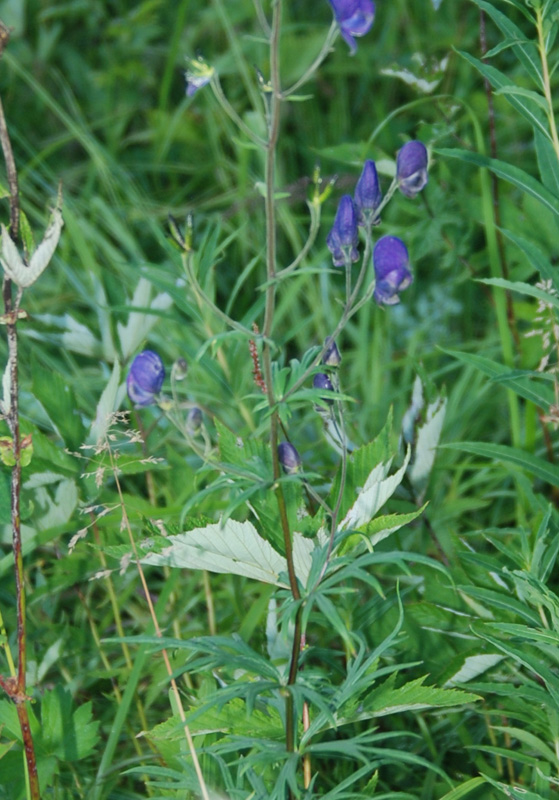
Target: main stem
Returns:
[[271, 146], [16, 689]]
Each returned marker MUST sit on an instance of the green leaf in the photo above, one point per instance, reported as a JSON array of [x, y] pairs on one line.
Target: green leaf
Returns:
[[378, 488], [536, 257], [69, 735], [474, 666], [425, 447], [499, 452], [547, 162], [412, 696], [527, 659], [463, 789], [523, 288], [57, 397], [525, 50], [359, 466], [528, 104], [536, 392], [522, 180], [233, 548]]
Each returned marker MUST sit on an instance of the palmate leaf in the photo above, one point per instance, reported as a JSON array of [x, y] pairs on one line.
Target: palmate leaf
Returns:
[[517, 177], [234, 548]]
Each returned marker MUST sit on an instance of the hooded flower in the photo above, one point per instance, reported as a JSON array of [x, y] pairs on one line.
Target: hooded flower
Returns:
[[322, 381], [391, 262], [343, 238], [197, 75], [368, 195], [411, 168], [289, 458], [355, 18], [145, 378]]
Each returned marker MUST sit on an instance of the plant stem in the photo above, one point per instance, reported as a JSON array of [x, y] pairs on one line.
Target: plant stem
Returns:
[[547, 82], [17, 688]]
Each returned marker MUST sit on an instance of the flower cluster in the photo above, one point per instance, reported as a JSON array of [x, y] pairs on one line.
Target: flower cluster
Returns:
[[390, 255]]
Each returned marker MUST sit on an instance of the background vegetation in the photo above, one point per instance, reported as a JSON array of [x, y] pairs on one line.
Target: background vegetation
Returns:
[[466, 594]]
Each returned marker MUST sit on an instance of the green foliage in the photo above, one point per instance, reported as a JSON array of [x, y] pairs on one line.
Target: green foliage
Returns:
[[429, 610]]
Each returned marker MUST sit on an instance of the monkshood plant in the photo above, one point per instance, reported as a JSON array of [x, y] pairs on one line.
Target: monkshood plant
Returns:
[[275, 725]]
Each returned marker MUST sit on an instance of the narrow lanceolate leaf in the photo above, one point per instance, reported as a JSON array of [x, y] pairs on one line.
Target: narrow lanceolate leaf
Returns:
[[547, 162], [525, 50], [523, 288], [235, 548], [522, 180], [376, 491], [427, 439], [537, 258], [499, 452], [530, 104], [535, 391], [22, 274]]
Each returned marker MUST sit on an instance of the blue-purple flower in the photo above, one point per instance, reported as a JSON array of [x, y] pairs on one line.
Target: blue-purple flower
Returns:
[[145, 378], [355, 18], [197, 75], [368, 195], [289, 458], [391, 262], [332, 356], [322, 381], [343, 239], [411, 168]]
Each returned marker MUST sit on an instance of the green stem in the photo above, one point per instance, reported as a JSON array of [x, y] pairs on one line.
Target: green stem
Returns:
[[547, 82], [324, 51]]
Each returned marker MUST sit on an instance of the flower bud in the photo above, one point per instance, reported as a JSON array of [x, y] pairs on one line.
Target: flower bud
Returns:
[[145, 378], [368, 195], [343, 238], [289, 458], [332, 356], [322, 381], [355, 18], [391, 262], [194, 420], [411, 168], [180, 368]]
